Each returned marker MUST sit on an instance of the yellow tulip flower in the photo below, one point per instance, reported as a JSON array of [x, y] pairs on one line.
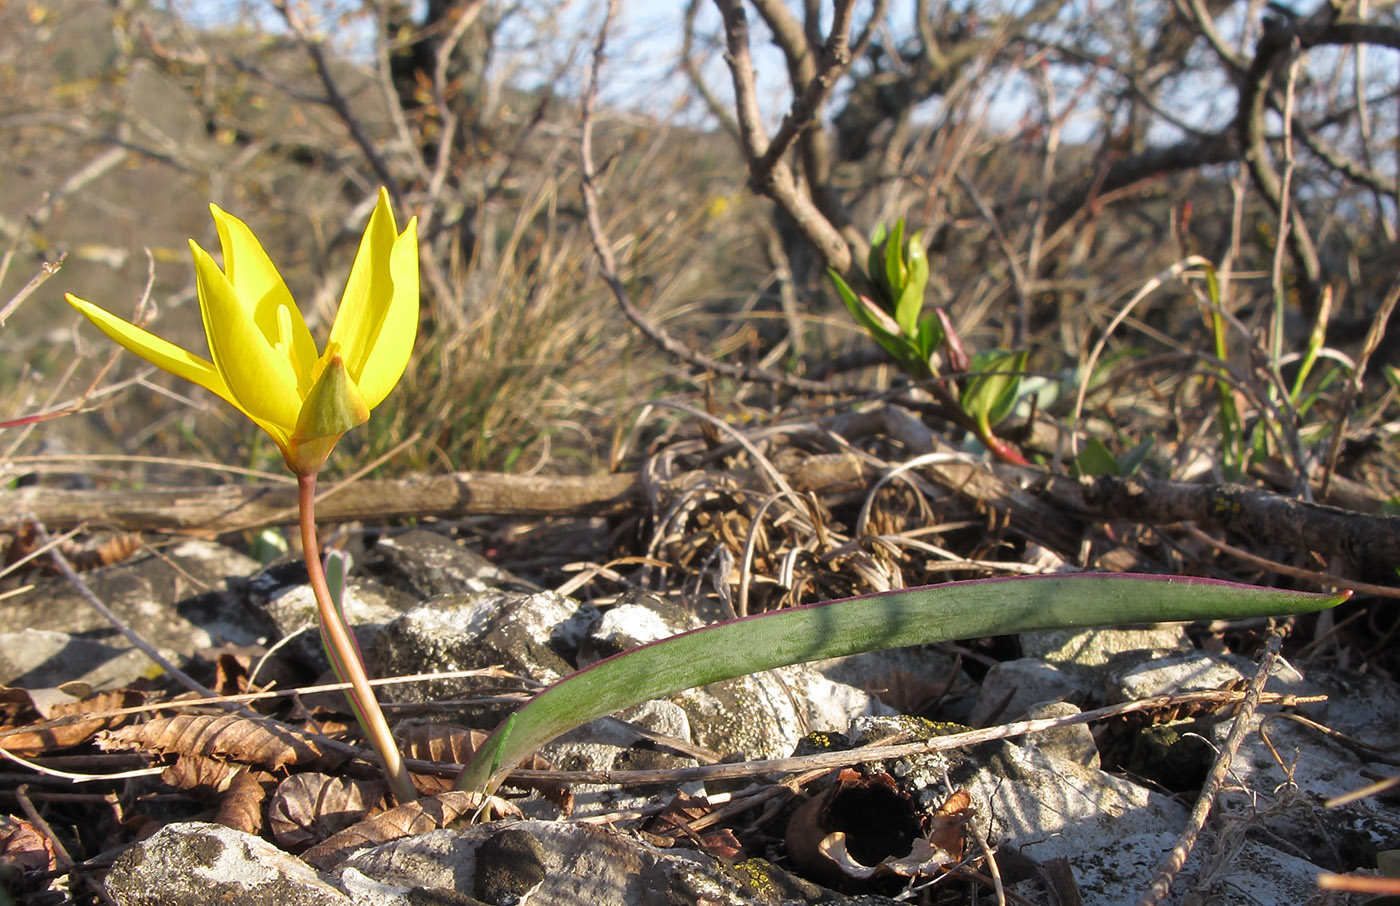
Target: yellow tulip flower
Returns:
[[262, 358]]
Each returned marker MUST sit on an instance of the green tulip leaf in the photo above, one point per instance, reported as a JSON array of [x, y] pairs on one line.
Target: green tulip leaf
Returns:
[[914, 616]]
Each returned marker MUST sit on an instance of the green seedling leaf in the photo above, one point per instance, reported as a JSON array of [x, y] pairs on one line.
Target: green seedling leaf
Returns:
[[914, 616], [911, 292], [1131, 461], [877, 238], [991, 392], [930, 337], [881, 328], [1096, 459], [896, 274], [875, 261], [1232, 443]]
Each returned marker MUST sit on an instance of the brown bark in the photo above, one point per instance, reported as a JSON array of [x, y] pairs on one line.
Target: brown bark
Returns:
[[1262, 516], [215, 510]]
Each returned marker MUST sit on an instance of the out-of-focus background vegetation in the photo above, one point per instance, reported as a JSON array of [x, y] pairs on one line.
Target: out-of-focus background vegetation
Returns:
[[1058, 155]]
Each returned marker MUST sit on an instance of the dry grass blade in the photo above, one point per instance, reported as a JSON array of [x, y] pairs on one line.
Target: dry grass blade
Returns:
[[258, 742], [310, 807], [419, 817]]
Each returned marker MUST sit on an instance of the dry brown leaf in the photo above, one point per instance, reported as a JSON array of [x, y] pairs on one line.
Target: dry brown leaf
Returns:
[[310, 807], [231, 673], [82, 557], [448, 744], [867, 825], [241, 805], [200, 775], [16, 709], [442, 743], [65, 735], [23, 847], [418, 817], [946, 829], [266, 743], [672, 826]]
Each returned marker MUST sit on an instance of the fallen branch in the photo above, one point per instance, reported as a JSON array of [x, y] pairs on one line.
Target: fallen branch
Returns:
[[1262, 516], [226, 508]]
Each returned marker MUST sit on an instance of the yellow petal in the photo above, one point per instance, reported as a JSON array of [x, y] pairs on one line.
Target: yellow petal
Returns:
[[260, 381], [161, 353], [377, 321], [263, 292]]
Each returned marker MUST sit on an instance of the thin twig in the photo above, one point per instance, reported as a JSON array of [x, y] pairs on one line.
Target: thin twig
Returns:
[[117, 622], [1283, 569], [833, 760], [608, 263], [46, 270], [1215, 778]]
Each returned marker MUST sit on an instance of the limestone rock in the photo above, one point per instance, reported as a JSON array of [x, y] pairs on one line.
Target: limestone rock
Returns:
[[196, 864]]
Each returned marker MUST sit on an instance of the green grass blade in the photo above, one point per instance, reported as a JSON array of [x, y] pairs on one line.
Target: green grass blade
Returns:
[[914, 616]]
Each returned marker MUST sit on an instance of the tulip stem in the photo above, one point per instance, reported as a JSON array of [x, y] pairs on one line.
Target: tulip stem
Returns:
[[344, 653]]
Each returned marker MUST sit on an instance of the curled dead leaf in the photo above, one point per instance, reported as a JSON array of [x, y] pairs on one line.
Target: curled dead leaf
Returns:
[[442, 743], [82, 557], [867, 826], [310, 807], [241, 805], [448, 744], [62, 730], [200, 775], [23, 847], [684, 821], [266, 743], [417, 817]]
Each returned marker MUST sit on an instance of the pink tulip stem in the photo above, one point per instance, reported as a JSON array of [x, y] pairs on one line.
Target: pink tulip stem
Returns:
[[344, 653]]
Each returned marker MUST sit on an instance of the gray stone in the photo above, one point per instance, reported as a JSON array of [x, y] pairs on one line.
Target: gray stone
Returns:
[[1012, 687], [196, 864], [1363, 705], [574, 863], [613, 744], [37, 658], [529, 635], [1050, 808], [427, 564], [1073, 743], [179, 601], [1141, 675], [907, 679], [1286, 771], [280, 592], [1085, 649]]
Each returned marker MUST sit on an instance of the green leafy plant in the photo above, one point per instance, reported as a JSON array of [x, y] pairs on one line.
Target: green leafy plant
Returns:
[[895, 619], [992, 387], [893, 315], [897, 271]]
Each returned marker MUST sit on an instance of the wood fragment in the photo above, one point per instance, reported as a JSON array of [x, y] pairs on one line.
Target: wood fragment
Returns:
[[1263, 516]]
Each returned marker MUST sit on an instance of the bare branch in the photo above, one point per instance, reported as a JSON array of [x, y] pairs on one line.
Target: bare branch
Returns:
[[771, 175], [603, 246]]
